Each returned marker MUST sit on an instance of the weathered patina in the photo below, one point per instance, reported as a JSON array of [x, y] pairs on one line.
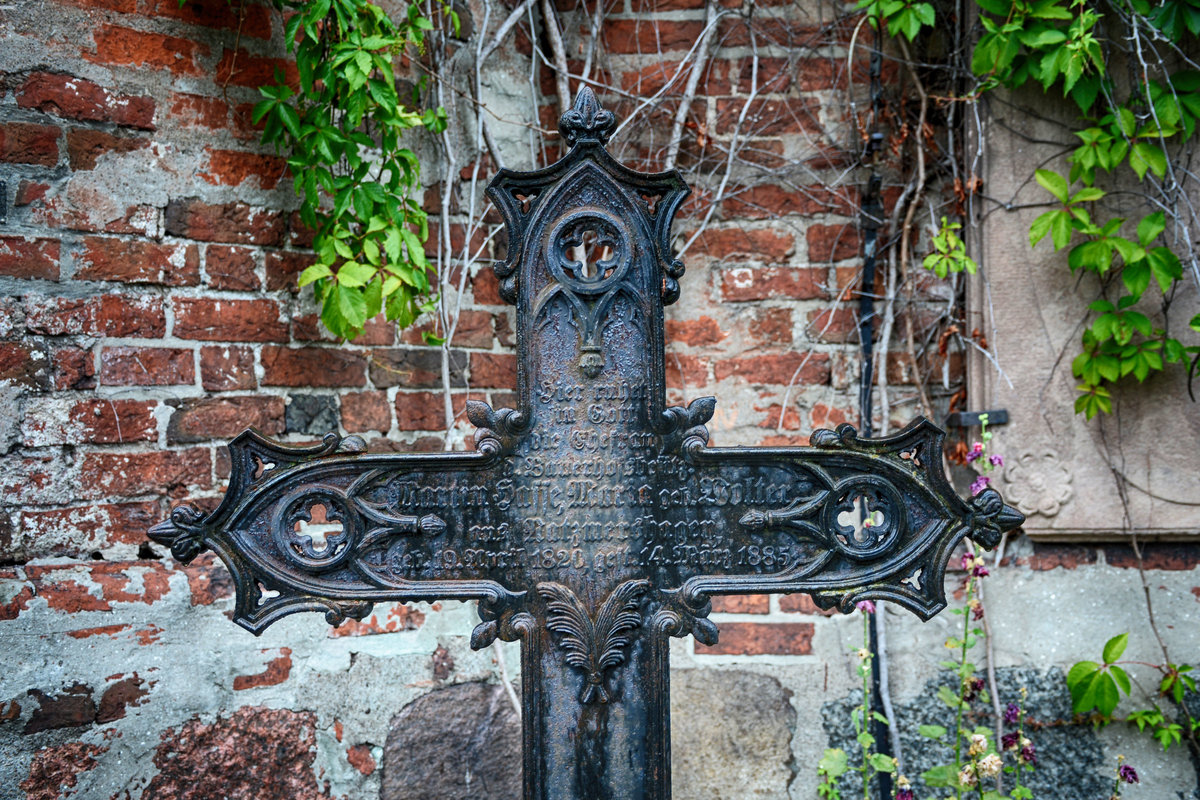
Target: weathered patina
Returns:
[[592, 522]]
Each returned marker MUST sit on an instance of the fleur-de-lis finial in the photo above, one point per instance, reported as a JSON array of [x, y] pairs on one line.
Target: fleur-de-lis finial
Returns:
[[586, 121]]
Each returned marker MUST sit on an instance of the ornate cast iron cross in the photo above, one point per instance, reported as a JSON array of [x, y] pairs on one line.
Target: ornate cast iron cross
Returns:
[[591, 522]]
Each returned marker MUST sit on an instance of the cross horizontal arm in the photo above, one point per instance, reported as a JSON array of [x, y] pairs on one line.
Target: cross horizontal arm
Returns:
[[399, 528]]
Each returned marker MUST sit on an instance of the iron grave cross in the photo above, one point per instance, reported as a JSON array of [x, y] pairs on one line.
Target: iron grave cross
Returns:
[[591, 522]]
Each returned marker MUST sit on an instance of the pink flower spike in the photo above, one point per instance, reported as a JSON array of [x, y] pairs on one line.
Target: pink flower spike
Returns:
[[996, 460], [865, 606], [980, 484]]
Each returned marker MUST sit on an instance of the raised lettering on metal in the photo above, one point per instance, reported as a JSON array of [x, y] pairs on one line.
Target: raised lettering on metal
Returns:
[[592, 522]]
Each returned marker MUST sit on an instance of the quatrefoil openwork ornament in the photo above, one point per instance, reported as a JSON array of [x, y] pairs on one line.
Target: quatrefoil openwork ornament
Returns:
[[590, 254], [590, 257]]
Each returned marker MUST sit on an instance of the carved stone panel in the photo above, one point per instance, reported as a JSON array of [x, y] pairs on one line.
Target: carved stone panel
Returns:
[[1136, 469]]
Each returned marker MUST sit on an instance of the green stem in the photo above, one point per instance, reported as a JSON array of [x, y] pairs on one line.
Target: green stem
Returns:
[[866, 704], [962, 690]]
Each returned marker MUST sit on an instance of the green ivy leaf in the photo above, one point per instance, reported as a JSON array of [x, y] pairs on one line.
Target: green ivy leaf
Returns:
[[1114, 648], [834, 763], [1053, 183], [944, 776], [1147, 156], [931, 731], [1166, 267], [882, 763], [315, 272], [1136, 277]]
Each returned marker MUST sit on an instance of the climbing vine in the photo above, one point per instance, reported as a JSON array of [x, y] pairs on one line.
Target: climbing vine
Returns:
[[1134, 129], [342, 126]]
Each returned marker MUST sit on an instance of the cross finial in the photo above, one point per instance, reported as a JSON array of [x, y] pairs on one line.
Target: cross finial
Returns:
[[586, 121]]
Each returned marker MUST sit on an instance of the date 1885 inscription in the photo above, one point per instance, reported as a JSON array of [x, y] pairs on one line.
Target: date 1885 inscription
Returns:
[[592, 522]]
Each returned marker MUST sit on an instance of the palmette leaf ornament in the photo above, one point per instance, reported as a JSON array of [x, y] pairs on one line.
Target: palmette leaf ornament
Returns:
[[594, 647]]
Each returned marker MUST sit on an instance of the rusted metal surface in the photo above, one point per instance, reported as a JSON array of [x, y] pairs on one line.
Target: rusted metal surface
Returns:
[[592, 522]]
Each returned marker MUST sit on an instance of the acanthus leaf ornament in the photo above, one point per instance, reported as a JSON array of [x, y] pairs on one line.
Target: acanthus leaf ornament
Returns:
[[593, 645]]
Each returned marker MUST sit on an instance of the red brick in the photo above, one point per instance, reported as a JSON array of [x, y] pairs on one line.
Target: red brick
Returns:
[[1051, 556], [414, 368], [694, 332], [474, 329], [85, 147], [245, 18], [420, 411], [826, 416], [208, 580], [96, 421], [313, 366], [130, 474], [768, 201], [199, 111], [494, 370], [231, 268], [224, 369], [124, 6], [765, 153], [77, 98], [277, 671], [761, 639], [361, 759], [837, 325], [780, 369], [23, 143], [399, 618], [73, 369], [108, 315], [235, 167], [1155, 555], [146, 366], [746, 244], [650, 36], [29, 192], [378, 332], [21, 257], [366, 411], [228, 320], [742, 604], [769, 117], [832, 242], [138, 261], [121, 695], [785, 31], [458, 240], [73, 708], [240, 68], [774, 74], [284, 268], [235, 223], [204, 418], [771, 416], [771, 283], [770, 326], [803, 604], [299, 234], [686, 371], [653, 77], [77, 531], [23, 365], [654, 6], [486, 287], [126, 47]]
